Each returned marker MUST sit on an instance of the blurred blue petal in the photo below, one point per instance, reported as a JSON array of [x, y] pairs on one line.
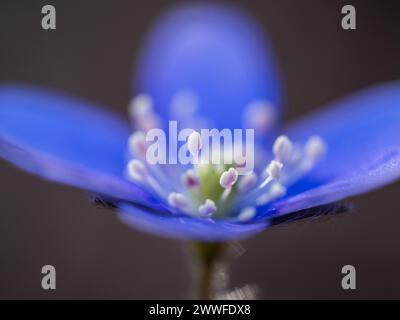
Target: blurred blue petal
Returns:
[[215, 51], [64, 139], [363, 136], [186, 227]]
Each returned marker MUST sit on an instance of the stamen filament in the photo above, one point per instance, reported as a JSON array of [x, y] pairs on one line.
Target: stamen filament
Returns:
[[137, 144], [247, 182], [177, 200], [274, 173], [282, 148], [208, 208], [276, 191], [246, 214], [190, 179]]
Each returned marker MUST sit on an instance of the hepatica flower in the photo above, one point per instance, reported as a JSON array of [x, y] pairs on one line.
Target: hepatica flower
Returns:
[[206, 66]]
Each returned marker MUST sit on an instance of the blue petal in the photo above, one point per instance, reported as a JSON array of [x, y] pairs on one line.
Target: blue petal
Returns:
[[217, 52], [65, 140], [363, 136], [185, 227]]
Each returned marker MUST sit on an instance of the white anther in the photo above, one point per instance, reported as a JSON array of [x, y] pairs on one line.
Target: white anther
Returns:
[[177, 200], [260, 115], [190, 179], [137, 170], [142, 114], [137, 144], [315, 148], [246, 214], [247, 182], [194, 143], [228, 178], [282, 148], [141, 106], [276, 191], [274, 169], [208, 208]]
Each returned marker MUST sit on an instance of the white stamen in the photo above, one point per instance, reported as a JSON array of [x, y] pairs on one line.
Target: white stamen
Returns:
[[246, 214], [282, 148], [260, 115], [296, 156], [273, 171], [247, 182], [194, 143], [137, 170], [137, 144], [228, 178], [208, 208], [140, 106], [225, 195], [177, 200], [142, 114], [315, 148], [190, 179], [276, 191]]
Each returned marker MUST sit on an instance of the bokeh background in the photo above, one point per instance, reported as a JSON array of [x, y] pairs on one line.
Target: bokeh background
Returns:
[[91, 55]]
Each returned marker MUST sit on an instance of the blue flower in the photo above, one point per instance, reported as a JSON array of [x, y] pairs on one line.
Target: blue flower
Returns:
[[212, 66]]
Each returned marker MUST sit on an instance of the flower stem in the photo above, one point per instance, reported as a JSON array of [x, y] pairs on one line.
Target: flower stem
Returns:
[[206, 255]]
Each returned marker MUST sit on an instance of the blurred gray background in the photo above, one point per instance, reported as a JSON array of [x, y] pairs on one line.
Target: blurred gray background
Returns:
[[91, 55]]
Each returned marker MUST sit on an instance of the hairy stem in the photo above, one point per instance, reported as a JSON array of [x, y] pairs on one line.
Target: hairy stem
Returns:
[[206, 255]]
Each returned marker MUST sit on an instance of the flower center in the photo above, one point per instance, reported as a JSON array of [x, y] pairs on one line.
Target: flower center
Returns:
[[216, 189]]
